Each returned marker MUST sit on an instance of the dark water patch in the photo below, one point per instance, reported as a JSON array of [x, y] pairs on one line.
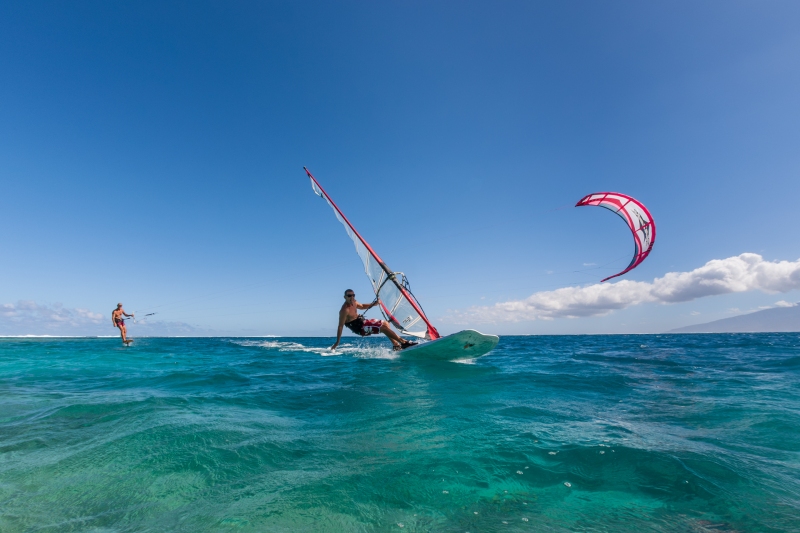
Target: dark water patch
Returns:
[[626, 359], [780, 364]]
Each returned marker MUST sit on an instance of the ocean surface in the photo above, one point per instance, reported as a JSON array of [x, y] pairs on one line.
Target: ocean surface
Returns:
[[642, 433]]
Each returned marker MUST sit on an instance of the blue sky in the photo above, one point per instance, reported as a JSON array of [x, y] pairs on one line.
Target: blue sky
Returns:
[[152, 153]]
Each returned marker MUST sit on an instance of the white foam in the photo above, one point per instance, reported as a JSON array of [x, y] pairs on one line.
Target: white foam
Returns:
[[354, 350], [369, 352]]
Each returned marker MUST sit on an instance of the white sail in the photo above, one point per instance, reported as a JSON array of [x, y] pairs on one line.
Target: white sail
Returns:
[[397, 303]]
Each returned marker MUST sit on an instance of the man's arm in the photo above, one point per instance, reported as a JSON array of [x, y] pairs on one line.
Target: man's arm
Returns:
[[342, 316], [113, 322], [126, 314], [367, 306]]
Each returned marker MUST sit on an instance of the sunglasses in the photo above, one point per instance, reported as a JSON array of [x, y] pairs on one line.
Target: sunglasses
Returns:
[[349, 295]]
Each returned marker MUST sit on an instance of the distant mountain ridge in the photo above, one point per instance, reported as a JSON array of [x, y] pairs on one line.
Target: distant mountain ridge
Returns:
[[777, 319]]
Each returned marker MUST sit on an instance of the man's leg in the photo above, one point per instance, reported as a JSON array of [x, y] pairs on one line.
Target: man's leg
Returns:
[[387, 330], [122, 333]]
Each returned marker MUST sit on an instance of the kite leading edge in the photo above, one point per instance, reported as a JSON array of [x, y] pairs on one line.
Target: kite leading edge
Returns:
[[636, 215]]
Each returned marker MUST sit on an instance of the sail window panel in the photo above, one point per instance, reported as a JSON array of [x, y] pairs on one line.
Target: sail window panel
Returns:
[[400, 312]]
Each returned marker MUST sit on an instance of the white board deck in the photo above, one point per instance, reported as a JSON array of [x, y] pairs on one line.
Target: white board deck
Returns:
[[467, 344]]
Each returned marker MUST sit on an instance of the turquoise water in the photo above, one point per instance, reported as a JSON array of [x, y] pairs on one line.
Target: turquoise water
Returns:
[[586, 433]]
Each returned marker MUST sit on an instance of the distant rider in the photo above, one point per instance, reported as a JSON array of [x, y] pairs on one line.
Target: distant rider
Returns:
[[349, 317], [118, 319]]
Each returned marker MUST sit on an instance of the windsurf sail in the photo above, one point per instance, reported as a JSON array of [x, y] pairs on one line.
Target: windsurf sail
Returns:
[[636, 215], [392, 290]]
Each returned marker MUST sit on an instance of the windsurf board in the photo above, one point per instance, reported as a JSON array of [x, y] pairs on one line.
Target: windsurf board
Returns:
[[467, 344]]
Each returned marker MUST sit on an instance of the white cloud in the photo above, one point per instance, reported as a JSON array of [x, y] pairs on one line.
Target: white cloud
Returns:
[[29, 318], [784, 303], [27, 313], [745, 272]]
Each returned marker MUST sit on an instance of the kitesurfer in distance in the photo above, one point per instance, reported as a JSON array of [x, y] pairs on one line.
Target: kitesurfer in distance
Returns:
[[118, 319], [349, 317]]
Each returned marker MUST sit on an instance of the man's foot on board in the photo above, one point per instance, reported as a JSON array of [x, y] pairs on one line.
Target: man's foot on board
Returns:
[[406, 344], [127, 341]]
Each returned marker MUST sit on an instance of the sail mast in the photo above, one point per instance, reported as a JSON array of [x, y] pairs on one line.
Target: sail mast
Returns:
[[432, 333]]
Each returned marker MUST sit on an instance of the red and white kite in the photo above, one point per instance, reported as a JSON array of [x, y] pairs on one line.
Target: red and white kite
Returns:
[[635, 215]]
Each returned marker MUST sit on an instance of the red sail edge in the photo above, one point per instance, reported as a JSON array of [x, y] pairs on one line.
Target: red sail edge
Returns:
[[640, 252], [432, 333]]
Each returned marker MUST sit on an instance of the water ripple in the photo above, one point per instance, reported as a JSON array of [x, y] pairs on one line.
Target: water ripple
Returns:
[[591, 433]]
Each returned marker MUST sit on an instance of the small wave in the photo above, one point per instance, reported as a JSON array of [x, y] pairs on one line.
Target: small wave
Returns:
[[790, 362], [369, 352], [269, 344], [283, 346], [354, 350]]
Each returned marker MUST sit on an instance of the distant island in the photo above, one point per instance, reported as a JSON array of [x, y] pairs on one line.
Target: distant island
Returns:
[[777, 319]]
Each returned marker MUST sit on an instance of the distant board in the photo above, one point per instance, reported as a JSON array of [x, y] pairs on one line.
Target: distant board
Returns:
[[467, 344]]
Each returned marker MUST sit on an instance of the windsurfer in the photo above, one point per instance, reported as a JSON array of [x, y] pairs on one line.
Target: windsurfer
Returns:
[[118, 320], [349, 317]]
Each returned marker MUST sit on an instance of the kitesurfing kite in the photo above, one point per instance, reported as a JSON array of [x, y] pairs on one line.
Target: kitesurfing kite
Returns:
[[635, 215], [401, 308]]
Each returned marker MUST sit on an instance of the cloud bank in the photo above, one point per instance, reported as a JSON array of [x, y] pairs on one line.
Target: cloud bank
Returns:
[[745, 272], [30, 318]]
